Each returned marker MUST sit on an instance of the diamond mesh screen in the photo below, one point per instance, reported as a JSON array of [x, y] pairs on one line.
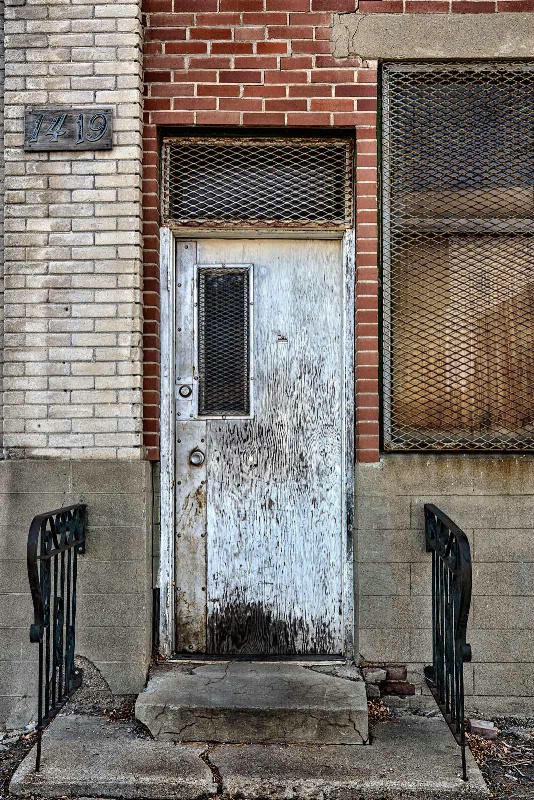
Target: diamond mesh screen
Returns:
[[458, 256], [217, 182], [223, 341]]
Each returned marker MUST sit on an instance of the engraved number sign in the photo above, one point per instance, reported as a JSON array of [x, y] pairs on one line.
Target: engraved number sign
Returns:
[[68, 129]]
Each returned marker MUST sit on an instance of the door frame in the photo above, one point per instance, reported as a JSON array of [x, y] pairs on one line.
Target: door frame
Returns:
[[168, 298]]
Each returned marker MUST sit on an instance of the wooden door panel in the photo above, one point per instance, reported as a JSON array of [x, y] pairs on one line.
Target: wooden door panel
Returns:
[[274, 482]]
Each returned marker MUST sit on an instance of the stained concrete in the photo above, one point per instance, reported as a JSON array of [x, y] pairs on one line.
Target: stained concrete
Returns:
[[88, 756], [253, 702], [409, 757], [377, 36]]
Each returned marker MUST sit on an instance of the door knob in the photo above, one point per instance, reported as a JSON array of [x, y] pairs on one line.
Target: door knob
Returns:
[[196, 458]]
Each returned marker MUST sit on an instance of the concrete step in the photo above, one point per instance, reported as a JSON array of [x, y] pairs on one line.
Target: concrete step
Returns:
[[409, 758], [253, 702]]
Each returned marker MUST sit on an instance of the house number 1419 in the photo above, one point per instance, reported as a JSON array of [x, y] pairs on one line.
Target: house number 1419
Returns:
[[74, 129]]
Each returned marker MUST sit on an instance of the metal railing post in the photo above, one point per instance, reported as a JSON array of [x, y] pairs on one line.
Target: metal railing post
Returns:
[[54, 541], [451, 600]]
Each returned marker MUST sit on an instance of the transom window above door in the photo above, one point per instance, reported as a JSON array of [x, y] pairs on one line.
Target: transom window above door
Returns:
[[255, 182], [458, 256]]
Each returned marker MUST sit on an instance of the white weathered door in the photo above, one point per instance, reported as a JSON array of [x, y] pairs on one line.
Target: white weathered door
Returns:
[[259, 450]]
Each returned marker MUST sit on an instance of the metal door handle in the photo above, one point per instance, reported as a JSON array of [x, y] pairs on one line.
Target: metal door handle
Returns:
[[196, 458]]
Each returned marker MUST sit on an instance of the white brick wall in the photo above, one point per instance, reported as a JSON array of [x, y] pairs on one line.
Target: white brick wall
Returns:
[[73, 305], [2, 70]]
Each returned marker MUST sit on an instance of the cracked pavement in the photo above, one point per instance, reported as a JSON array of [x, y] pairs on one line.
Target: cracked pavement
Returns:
[[237, 702], [89, 757]]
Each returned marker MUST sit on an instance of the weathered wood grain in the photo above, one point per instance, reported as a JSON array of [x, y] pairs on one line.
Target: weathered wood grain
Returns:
[[274, 499]]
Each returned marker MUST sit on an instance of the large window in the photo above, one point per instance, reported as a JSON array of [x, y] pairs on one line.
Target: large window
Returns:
[[458, 256]]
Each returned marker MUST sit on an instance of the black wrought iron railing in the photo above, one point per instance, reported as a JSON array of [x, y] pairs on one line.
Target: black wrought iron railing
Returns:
[[55, 540], [451, 599]]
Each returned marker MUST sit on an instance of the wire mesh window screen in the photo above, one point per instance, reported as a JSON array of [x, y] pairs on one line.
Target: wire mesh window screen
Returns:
[[296, 183], [224, 341], [458, 256]]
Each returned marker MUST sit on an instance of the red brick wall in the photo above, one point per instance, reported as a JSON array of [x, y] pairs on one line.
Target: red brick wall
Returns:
[[267, 63], [257, 63], [443, 6]]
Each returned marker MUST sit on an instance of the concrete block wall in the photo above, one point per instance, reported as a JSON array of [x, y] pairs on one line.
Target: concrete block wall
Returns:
[[492, 499], [114, 579], [73, 312]]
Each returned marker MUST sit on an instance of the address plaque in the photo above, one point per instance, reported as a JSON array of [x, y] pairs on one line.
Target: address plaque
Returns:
[[68, 129]]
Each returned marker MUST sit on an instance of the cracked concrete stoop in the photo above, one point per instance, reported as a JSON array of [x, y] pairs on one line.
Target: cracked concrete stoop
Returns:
[[85, 756], [254, 702], [247, 731]]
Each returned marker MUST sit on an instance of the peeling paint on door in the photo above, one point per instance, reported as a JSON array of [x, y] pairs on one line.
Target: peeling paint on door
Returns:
[[274, 481]]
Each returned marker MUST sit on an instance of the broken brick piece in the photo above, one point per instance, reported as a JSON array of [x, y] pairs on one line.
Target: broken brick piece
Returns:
[[401, 688]]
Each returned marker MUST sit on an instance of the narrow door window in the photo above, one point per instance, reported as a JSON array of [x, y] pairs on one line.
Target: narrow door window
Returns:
[[224, 341]]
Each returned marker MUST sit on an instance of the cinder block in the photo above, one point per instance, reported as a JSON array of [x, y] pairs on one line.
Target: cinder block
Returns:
[[111, 477], [491, 706], [505, 680], [502, 613], [115, 643], [418, 473], [15, 645], [421, 644], [504, 579], [384, 645], [111, 577], [395, 611], [387, 546], [13, 541], [387, 612], [13, 576], [18, 678], [117, 510], [503, 545], [497, 646], [421, 578], [127, 609], [16, 712], [384, 579], [490, 512], [383, 513]]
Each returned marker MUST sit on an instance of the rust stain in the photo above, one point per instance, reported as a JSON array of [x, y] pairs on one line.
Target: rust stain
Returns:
[[193, 506]]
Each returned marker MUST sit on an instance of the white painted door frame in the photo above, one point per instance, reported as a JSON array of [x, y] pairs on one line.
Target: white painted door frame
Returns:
[[168, 295]]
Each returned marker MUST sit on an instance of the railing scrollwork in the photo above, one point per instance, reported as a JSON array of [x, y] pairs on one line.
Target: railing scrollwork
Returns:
[[451, 600], [55, 540]]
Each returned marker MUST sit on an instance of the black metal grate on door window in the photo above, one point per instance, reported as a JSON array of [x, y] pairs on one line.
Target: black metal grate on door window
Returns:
[[229, 182], [224, 341], [458, 256]]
